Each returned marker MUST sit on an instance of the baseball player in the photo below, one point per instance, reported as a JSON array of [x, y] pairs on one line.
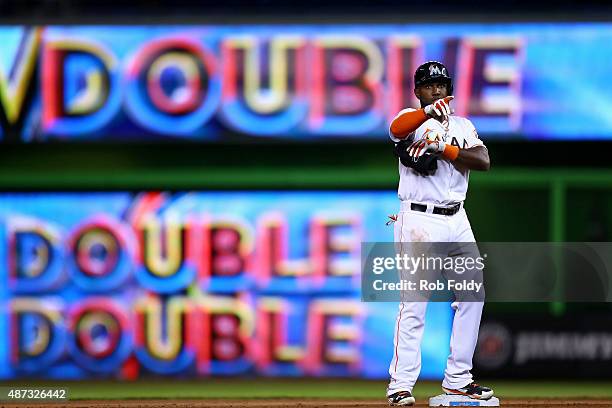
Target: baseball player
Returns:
[[440, 149]]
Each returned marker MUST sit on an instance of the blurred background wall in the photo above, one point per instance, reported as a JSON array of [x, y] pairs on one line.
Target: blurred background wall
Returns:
[[266, 121]]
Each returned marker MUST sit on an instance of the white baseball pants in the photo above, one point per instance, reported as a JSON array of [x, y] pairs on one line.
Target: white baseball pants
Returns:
[[414, 226]]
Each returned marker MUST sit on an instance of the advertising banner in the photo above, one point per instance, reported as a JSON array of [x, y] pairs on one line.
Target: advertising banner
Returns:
[[519, 345]]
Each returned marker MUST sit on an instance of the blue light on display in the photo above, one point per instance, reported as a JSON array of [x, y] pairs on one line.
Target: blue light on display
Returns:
[[527, 81], [85, 278]]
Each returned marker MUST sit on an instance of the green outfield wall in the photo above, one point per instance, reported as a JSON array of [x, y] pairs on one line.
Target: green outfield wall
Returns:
[[508, 203]]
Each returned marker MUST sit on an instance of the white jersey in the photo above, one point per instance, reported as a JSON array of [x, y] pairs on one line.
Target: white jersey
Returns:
[[448, 184]]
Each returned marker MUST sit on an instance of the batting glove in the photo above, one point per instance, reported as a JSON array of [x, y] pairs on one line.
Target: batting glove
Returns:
[[420, 147], [439, 109]]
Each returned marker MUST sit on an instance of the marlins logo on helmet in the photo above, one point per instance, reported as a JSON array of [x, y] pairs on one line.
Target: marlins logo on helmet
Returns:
[[435, 70]]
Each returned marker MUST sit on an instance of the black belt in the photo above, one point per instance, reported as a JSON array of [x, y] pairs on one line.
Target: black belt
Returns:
[[437, 210]]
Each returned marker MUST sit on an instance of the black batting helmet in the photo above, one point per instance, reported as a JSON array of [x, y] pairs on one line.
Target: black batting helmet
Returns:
[[433, 71]]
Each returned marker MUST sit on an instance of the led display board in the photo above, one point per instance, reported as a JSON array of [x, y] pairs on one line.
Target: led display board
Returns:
[[297, 82], [197, 283]]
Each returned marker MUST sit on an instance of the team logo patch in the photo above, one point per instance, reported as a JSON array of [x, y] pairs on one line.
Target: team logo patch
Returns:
[[437, 70]]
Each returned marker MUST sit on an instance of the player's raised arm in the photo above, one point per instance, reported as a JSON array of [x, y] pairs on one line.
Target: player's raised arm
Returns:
[[407, 122]]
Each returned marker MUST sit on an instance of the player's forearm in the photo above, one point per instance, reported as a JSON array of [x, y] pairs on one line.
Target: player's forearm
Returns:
[[407, 122], [473, 158]]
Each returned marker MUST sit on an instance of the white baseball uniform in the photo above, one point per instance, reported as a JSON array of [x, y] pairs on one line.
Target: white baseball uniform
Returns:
[[448, 186]]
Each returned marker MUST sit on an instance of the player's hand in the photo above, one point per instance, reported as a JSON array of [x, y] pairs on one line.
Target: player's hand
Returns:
[[420, 147], [440, 109]]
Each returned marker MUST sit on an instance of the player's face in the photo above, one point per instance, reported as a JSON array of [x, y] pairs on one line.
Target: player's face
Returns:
[[431, 92]]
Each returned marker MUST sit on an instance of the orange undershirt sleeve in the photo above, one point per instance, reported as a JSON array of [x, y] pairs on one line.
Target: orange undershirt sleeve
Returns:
[[450, 152], [407, 123]]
